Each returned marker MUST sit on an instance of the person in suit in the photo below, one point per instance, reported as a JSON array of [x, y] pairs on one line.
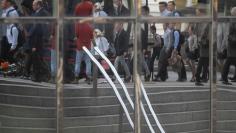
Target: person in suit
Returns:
[[121, 47], [9, 41], [36, 37], [203, 40], [231, 51], [165, 53], [120, 9]]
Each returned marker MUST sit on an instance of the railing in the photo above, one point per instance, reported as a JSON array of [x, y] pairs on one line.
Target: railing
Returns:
[[129, 98], [112, 84]]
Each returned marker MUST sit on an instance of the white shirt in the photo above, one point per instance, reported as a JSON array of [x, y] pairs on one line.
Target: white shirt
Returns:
[[100, 14], [102, 44], [166, 13], [12, 36]]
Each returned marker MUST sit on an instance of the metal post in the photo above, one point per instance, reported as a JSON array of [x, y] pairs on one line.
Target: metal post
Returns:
[[95, 75], [214, 6], [121, 120], [136, 76], [59, 77]]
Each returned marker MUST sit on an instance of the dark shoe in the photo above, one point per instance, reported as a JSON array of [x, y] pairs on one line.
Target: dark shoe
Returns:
[[226, 83], [52, 80], [75, 81], [36, 80], [198, 84], [232, 78], [88, 81], [127, 80], [192, 80], [157, 79], [204, 80], [181, 80], [147, 78]]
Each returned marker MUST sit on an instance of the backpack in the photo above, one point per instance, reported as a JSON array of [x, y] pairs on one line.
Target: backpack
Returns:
[[181, 39], [21, 36], [18, 12], [174, 12]]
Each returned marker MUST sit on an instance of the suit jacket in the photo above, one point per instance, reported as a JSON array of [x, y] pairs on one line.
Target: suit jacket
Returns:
[[122, 11], [38, 32], [231, 48], [121, 42], [203, 38]]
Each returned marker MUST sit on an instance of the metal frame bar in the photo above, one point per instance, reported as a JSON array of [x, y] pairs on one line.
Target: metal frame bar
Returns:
[[60, 63], [212, 62]]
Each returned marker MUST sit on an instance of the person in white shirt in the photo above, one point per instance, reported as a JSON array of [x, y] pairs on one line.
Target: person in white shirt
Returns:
[[163, 9], [98, 12], [101, 42], [9, 40]]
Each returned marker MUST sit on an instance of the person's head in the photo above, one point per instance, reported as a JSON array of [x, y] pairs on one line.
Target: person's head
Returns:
[[171, 25], [201, 10], [145, 10], [97, 7], [97, 33], [117, 3], [7, 3], [171, 6], [153, 29], [233, 11], [37, 4], [162, 6], [118, 26]]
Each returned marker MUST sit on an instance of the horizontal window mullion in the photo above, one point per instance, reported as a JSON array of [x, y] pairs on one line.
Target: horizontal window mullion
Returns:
[[175, 19], [226, 19], [28, 20]]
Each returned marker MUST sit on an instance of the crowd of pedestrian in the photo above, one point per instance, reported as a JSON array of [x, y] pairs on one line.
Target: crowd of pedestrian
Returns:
[[114, 41]]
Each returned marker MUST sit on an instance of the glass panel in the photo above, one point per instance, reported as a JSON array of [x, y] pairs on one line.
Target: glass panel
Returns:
[[176, 56], [226, 75], [99, 8], [91, 105], [177, 8], [27, 87], [225, 6]]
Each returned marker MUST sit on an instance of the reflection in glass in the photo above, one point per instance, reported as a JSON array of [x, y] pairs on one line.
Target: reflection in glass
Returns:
[[176, 8], [106, 7]]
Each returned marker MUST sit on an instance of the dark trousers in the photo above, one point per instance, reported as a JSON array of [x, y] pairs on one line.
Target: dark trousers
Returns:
[[6, 54], [229, 61], [28, 63], [155, 54], [37, 65], [182, 73], [202, 67], [162, 64]]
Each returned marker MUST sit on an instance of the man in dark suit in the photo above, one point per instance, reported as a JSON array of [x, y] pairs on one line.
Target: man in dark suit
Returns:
[[120, 9], [121, 46], [36, 37], [231, 51]]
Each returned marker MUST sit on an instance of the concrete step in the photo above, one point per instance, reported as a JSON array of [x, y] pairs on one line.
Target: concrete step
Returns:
[[155, 98], [26, 130], [22, 122], [227, 125], [48, 90]]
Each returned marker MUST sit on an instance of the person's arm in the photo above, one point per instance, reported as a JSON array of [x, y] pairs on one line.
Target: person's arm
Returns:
[[15, 34], [176, 42]]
